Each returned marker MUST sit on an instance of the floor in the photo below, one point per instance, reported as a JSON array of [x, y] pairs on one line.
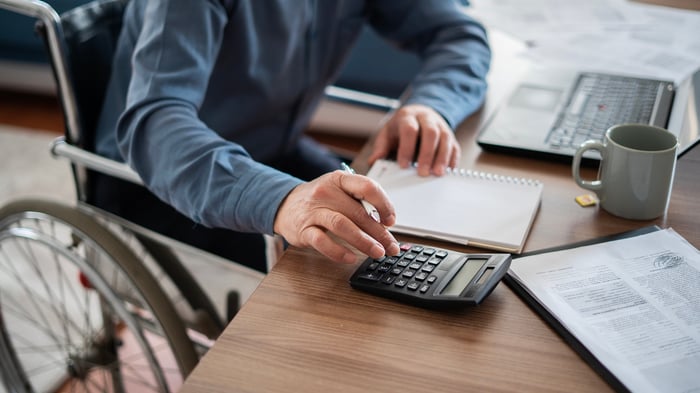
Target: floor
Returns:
[[28, 124], [27, 169]]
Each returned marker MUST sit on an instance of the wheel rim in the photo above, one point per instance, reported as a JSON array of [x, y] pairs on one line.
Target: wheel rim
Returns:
[[58, 331]]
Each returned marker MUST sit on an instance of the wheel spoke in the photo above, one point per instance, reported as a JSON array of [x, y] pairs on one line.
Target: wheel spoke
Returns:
[[103, 338]]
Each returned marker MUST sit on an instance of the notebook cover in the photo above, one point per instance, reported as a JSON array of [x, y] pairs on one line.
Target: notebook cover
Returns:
[[467, 207]]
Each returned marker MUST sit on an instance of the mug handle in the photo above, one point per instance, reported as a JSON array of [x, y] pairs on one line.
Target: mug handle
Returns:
[[593, 185]]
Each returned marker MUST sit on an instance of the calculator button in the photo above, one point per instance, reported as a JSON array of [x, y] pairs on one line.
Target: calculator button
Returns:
[[409, 273], [410, 256], [396, 271], [422, 258], [424, 288], [417, 249], [429, 251], [434, 260], [370, 276], [384, 267], [388, 279], [401, 282], [415, 265], [380, 259], [421, 276], [428, 268], [402, 263], [441, 254], [405, 246], [431, 279], [391, 260], [413, 286], [372, 266]]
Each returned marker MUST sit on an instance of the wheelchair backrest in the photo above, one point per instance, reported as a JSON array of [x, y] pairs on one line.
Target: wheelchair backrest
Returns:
[[88, 40]]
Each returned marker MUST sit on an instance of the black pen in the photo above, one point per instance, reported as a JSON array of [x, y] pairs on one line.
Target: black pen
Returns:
[[369, 208]]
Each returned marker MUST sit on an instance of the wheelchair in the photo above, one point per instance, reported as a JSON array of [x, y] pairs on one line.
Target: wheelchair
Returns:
[[90, 301]]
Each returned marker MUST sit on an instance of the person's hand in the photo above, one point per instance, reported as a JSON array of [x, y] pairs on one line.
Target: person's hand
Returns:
[[318, 213], [413, 127]]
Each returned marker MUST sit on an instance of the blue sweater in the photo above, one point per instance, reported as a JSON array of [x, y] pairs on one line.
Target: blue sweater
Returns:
[[204, 92]]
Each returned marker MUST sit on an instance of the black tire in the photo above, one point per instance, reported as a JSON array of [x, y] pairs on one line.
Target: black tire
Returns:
[[77, 302]]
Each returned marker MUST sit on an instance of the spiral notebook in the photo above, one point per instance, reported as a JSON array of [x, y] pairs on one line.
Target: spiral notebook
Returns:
[[464, 206]]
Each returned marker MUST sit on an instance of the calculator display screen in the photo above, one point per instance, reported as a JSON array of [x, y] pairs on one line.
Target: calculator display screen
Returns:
[[463, 277]]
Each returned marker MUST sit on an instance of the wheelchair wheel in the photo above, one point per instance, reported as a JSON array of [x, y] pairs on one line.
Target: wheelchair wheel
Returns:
[[79, 311]]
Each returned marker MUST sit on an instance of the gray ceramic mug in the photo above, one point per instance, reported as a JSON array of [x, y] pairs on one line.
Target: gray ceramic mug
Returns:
[[636, 170]]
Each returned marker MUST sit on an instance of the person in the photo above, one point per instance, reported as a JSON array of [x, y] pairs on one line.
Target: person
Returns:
[[208, 101]]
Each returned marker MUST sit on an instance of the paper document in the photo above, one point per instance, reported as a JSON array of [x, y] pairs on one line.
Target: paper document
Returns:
[[538, 20], [667, 46], [613, 36], [633, 303]]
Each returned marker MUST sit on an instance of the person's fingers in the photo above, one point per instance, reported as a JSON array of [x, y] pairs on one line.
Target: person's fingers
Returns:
[[448, 152], [430, 140], [318, 213], [316, 238], [361, 188], [345, 229], [455, 155], [314, 228], [408, 132], [420, 134]]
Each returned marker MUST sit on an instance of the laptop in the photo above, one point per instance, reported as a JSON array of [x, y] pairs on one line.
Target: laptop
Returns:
[[551, 111]]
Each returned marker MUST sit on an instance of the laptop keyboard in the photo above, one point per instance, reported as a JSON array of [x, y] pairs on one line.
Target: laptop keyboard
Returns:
[[600, 101]]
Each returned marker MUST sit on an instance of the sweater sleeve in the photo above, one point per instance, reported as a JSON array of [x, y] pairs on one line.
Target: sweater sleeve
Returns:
[[185, 163], [453, 48]]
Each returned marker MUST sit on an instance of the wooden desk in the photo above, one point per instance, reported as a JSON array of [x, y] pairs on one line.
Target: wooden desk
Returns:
[[306, 330]]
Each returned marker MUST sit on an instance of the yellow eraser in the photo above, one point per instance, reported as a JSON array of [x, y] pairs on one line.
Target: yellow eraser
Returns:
[[586, 200]]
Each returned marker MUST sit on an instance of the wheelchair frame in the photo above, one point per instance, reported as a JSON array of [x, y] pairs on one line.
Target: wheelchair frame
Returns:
[[128, 276]]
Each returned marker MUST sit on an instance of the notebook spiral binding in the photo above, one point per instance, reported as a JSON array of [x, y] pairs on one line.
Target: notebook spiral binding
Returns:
[[491, 176]]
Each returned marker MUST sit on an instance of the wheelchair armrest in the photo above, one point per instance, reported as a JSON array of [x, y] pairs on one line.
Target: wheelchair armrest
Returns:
[[78, 156], [81, 157]]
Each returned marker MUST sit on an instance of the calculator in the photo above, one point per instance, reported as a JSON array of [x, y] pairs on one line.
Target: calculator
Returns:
[[432, 277]]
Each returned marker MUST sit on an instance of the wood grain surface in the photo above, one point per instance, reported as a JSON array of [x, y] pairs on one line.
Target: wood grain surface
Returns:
[[306, 330]]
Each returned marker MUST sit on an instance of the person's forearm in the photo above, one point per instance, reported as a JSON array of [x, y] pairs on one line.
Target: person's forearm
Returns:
[[452, 80], [211, 180]]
